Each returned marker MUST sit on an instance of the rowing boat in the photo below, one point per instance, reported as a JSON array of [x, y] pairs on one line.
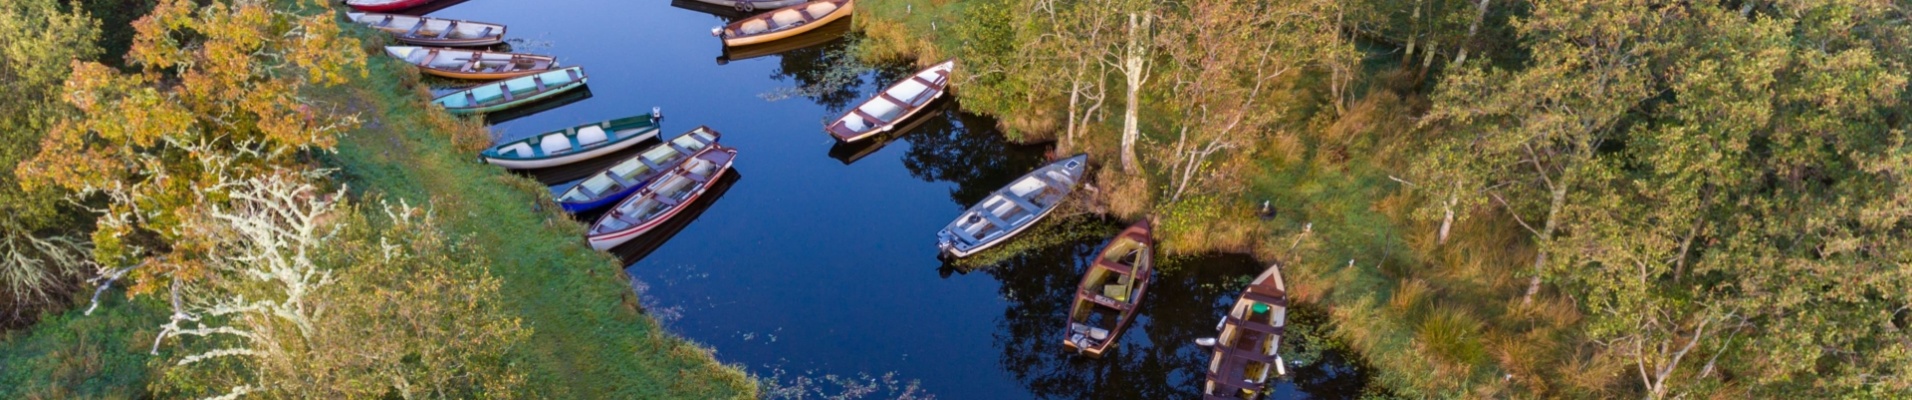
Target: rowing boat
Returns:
[[612, 184], [821, 35], [892, 105], [783, 22], [1012, 209], [569, 145], [1244, 353], [384, 5], [430, 31], [472, 64], [1110, 292], [512, 92], [662, 198]]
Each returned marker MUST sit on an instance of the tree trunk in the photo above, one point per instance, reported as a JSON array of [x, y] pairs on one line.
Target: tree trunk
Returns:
[[1447, 220], [1546, 235], [1480, 14], [1134, 64]]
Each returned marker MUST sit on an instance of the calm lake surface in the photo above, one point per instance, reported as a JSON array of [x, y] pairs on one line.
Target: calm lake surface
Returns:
[[821, 260]]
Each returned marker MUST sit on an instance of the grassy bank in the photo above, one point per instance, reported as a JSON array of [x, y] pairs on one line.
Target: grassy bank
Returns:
[[590, 338]]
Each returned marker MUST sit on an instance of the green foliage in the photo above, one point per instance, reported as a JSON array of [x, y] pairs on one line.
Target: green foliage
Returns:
[[588, 343], [70, 355], [41, 256], [218, 100], [407, 308]]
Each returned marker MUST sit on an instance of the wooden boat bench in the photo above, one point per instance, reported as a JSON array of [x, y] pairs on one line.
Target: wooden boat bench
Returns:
[[1020, 202], [1254, 326], [1259, 297], [448, 30], [415, 28]]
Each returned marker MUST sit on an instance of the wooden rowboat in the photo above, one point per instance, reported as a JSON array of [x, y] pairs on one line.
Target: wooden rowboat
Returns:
[[894, 104], [1110, 292], [472, 64], [783, 22], [512, 92], [821, 35], [754, 5], [612, 184], [1012, 209], [573, 144], [1250, 335], [384, 5], [662, 198], [430, 31]]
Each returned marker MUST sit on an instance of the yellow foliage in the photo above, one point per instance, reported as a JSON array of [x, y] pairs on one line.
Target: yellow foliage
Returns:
[[217, 100]]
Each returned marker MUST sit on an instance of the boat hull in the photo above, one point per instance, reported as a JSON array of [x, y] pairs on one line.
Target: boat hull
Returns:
[[388, 7], [613, 239], [841, 129], [891, 127], [561, 160], [519, 101], [848, 8], [979, 247], [967, 235], [456, 104], [403, 53]]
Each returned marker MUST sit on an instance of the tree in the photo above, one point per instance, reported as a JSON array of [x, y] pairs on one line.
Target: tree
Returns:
[[1237, 54], [41, 257], [309, 297], [218, 101], [1532, 133]]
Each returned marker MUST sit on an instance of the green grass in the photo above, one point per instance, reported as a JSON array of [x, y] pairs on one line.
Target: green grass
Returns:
[[589, 340]]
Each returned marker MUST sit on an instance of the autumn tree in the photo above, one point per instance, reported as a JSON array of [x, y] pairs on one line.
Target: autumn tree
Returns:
[[219, 98], [309, 297], [41, 256]]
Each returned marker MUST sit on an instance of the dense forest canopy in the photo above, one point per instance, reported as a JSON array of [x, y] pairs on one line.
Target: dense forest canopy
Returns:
[[1540, 198], [1586, 198]]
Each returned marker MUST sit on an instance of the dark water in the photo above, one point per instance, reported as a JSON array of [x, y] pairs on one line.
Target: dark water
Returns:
[[820, 259]]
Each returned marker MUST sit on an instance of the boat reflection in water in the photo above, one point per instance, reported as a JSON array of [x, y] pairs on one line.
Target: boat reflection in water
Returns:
[[825, 34], [560, 100], [927, 120], [642, 246]]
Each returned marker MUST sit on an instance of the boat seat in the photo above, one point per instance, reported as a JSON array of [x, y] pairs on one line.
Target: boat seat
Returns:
[[555, 143], [596, 186], [591, 135], [484, 33], [448, 30], [1117, 292], [820, 9], [1090, 331], [519, 149], [786, 18], [626, 168], [753, 27]]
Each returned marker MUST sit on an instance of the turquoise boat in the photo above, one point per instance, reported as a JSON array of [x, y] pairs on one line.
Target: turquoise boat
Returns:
[[512, 92]]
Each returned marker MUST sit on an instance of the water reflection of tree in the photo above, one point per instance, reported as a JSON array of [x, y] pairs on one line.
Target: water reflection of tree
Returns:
[[966, 149], [1156, 358], [831, 75]]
